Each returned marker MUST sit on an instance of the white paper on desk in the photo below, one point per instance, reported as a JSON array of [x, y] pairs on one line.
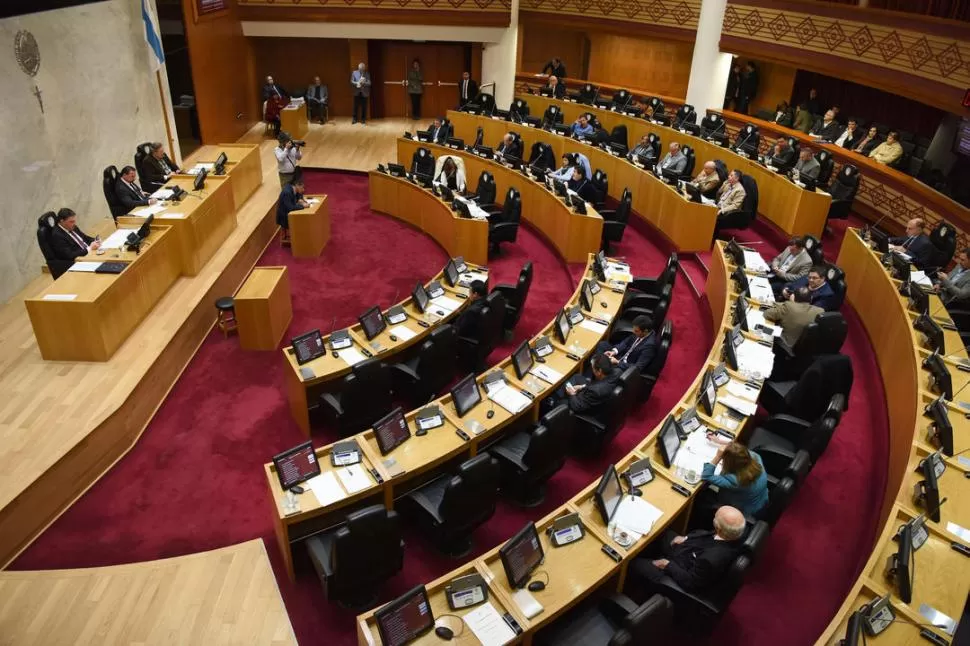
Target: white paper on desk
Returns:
[[546, 374], [743, 406], [509, 398], [311, 200], [742, 390], [198, 167], [469, 276], [145, 211], [171, 216], [85, 266], [957, 530], [351, 355], [354, 478], [636, 515], [326, 488], [592, 325], [755, 358], [760, 289], [59, 297], [904, 256], [695, 452], [488, 626], [117, 239], [163, 193], [526, 603], [753, 260], [708, 201], [403, 332], [920, 278], [446, 303]]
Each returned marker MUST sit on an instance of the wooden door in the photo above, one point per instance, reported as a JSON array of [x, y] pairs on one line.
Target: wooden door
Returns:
[[441, 64]]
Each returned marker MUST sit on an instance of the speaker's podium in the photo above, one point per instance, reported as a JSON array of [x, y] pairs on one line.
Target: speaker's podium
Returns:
[[263, 308], [310, 228]]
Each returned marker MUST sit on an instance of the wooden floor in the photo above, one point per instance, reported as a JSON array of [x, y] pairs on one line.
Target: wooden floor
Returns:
[[226, 596]]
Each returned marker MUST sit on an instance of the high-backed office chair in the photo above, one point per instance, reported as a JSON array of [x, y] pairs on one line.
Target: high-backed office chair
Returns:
[[542, 158], [502, 213], [601, 184], [450, 507], [362, 553], [142, 151], [529, 459], [808, 396], [515, 297], [823, 336], [551, 116], [685, 114], [843, 189], [645, 292], [618, 137], [613, 621], [422, 162], [826, 166], [944, 238], [420, 378], [651, 374], [748, 140], [504, 227], [472, 352], [109, 178], [621, 99], [448, 128], [519, 108], [783, 490], [45, 227], [813, 246], [743, 217], [779, 438], [623, 324], [363, 398], [587, 94], [615, 221], [654, 141], [713, 127], [485, 191], [835, 277], [656, 106], [688, 172], [594, 429]]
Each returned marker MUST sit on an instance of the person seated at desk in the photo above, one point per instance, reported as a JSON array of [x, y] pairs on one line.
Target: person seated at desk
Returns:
[[451, 176], [582, 186], [807, 165], [555, 68], [784, 115], [438, 132], [868, 143], [730, 197], [581, 127], [888, 151], [565, 172], [128, 192], [954, 287], [509, 146], [782, 155], [742, 483], [674, 161], [794, 315], [638, 349], [645, 150], [317, 99], [821, 292], [555, 87], [157, 167], [586, 395], [791, 264], [707, 180], [467, 324], [915, 244], [850, 137], [696, 562], [67, 240], [270, 88], [827, 129], [291, 199]]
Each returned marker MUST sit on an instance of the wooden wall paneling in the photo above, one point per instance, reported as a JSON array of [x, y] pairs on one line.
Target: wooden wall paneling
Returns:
[[540, 43], [775, 83], [391, 62], [476, 62], [674, 18], [449, 64], [661, 65], [407, 12], [293, 62], [219, 55]]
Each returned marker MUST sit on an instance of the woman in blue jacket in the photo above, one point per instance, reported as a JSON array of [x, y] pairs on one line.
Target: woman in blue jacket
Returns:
[[742, 483]]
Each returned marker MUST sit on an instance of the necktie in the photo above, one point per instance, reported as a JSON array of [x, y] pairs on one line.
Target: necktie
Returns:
[[630, 351], [319, 95], [464, 89], [77, 239]]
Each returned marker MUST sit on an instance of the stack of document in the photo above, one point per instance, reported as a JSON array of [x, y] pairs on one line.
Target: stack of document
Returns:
[[326, 488], [509, 398], [447, 304], [403, 332], [695, 451], [117, 239], [760, 289], [593, 326], [195, 170], [162, 193], [754, 261], [742, 390], [351, 355], [755, 359], [546, 373], [144, 212], [354, 478], [708, 201], [473, 209], [89, 267], [618, 272], [743, 406], [757, 317], [920, 278], [488, 626], [467, 277], [635, 516]]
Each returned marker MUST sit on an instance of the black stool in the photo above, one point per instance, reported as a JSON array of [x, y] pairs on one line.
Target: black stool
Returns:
[[226, 318]]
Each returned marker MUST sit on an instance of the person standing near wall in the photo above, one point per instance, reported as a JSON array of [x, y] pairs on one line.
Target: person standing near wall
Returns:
[[415, 88], [360, 82]]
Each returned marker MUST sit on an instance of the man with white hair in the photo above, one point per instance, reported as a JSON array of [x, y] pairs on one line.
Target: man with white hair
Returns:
[[675, 161], [360, 82], [707, 181], [697, 561]]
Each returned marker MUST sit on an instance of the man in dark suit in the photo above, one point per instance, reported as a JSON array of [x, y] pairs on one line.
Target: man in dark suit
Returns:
[[582, 186], [916, 244], [128, 192], [782, 155], [157, 168], [555, 67], [67, 240], [468, 323], [270, 88], [438, 131], [696, 562], [509, 146], [291, 199], [555, 88], [748, 87], [638, 349], [467, 89], [827, 129], [822, 294], [589, 395], [851, 136]]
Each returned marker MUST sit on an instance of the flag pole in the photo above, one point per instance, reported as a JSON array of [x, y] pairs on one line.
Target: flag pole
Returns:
[[168, 126]]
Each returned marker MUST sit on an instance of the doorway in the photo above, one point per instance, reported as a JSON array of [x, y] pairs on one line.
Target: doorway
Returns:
[[441, 63]]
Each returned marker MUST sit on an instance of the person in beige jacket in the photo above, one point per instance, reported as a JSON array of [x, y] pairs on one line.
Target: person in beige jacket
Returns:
[[730, 196], [707, 180], [888, 151], [794, 315]]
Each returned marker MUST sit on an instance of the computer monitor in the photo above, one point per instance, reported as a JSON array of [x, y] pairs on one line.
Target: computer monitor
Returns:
[[455, 143], [693, 192], [852, 629], [942, 381], [391, 431], [734, 250], [466, 395], [934, 333], [927, 491], [579, 204], [405, 619], [609, 494], [372, 322], [900, 266], [308, 347], [670, 434], [708, 393], [731, 341], [421, 298], [559, 187], [562, 327], [741, 279], [599, 268], [918, 299], [669, 175], [586, 296], [220, 165], [521, 555], [397, 170], [484, 151], [522, 360], [451, 273], [296, 465], [941, 430], [513, 161], [145, 229], [462, 209], [880, 238], [898, 565], [741, 313], [199, 182]]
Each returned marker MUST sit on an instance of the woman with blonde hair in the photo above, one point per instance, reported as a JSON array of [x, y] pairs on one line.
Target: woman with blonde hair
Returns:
[[742, 483]]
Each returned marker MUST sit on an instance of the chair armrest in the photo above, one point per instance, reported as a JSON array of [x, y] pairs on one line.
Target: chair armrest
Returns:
[[505, 289], [645, 301], [509, 456], [782, 349], [645, 285], [406, 370], [592, 422], [467, 340], [331, 401], [617, 606], [669, 588], [607, 214], [785, 425]]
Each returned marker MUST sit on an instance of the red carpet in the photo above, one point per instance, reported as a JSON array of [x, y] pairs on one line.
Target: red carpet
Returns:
[[195, 482]]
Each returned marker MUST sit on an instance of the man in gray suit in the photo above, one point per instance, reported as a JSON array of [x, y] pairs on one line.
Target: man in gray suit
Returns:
[[807, 165], [675, 161], [794, 315], [791, 264], [954, 288], [360, 82]]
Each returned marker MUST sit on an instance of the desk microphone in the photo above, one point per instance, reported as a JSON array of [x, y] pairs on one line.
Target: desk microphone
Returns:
[[717, 129], [740, 146], [875, 224]]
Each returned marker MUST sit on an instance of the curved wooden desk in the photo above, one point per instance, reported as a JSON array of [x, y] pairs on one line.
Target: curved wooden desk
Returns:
[[579, 568], [226, 596], [524, 82], [420, 208], [573, 235], [943, 575], [688, 225], [792, 209], [243, 167]]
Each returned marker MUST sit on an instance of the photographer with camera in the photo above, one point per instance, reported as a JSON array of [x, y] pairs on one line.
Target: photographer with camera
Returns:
[[288, 153]]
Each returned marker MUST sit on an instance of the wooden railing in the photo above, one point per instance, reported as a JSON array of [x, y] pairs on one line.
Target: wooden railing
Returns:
[[531, 83], [477, 13]]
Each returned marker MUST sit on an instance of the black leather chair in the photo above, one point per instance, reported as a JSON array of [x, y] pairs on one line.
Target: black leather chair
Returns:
[[45, 227], [618, 137], [826, 166], [843, 189], [356, 558], [363, 398], [688, 173], [713, 127], [748, 140], [944, 238], [698, 611], [645, 292], [109, 178], [472, 352], [615, 221], [420, 378], [651, 374], [601, 184], [515, 297], [777, 439], [622, 98], [593, 430], [814, 248], [783, 490], [614, 621], [530, 459], [685, 114], [656, 105], [808, 397], [504, 227], [485, 192], [623, 325], [824, 336], [587, 94], [504, 212], [541, 157], [551, 116], [422, 162], [142, 151], [835, 277], [449, 508], [519, 108], [743, 217]]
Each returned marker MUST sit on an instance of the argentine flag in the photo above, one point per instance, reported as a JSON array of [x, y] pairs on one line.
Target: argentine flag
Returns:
[[156, 55]]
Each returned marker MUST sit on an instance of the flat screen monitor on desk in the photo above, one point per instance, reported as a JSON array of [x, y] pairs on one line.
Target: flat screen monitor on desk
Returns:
[[670, 434], [484, 151], [669, 175], [145, 229], [421, 298], [586, 296], [396, 170], [296, 465], [941, 430], [562, 327], [609, 494], [708, 394], [405, 619], [741, 313], [880, 238], [741, 279], [522, 359], [898, 565], [734, 250], [732, 339], [391, 431], [900, 266], [451, 273], [372, 322], [934, 333], [579, 204], [466, 395], [199, 182], [521, 555], [220, 165], [693, 192], [308, 346], [559, 187], [926, 493], [942, 381]]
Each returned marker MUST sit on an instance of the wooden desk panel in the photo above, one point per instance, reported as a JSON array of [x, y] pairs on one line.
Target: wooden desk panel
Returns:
[[107, 307], [294, 121], [310, 229], [263, 308], [573, 235], [244, 168]]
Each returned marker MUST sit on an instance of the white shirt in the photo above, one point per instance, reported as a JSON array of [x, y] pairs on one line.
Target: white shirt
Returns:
[[286, 159], [841, 140]]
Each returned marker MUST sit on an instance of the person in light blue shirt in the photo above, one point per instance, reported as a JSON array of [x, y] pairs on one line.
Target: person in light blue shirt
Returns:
[[581, 127], [743, 481], [565, 172]]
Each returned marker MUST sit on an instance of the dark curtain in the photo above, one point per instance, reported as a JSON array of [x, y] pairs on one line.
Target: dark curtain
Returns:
[[952, 9], [866, 103]]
